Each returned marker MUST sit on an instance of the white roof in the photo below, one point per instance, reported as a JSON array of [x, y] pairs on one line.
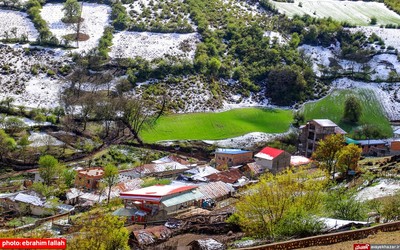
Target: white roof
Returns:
[[325, 123], [30, 199], [165, 159], [157, 190], [201, 171], [73, 193]]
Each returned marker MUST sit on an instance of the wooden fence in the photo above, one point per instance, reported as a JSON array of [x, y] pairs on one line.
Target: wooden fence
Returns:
[[328, 239]]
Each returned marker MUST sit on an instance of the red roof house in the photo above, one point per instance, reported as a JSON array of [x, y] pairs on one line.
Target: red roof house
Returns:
[[273, 159]]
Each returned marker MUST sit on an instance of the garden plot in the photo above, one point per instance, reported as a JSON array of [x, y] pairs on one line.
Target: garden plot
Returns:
[[161, 16], [24, 76], [16, 24], [355, 12], [96, 17], [43, 139], [391, 37], [387, 93], [153, 45]]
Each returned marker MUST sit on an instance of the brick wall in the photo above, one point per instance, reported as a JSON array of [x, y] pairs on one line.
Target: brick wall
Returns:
[[333, 238]]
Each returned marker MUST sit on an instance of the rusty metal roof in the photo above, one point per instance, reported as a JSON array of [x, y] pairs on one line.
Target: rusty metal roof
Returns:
[[215, 190], [229, 176]]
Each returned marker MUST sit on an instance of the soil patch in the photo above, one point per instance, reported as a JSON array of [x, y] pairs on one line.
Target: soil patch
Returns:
[[80, 37]]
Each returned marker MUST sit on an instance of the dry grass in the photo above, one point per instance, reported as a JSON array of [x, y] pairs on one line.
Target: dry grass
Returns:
[[380, 238]]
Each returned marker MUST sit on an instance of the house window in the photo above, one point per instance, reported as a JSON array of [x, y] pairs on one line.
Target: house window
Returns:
[[88, 181]]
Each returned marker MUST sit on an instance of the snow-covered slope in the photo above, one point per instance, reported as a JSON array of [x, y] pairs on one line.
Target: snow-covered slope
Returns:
[[10, 20]]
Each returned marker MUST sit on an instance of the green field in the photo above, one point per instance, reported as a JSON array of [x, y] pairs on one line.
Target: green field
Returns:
[[355, 12], [213, 126], [332, 107]]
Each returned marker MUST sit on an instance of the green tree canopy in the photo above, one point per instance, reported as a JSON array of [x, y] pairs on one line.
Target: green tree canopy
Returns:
[[72, 11], [275, 200], [48, 168], [110, 178], [327, 152], [352, 110], [102, 232], [7, 144]]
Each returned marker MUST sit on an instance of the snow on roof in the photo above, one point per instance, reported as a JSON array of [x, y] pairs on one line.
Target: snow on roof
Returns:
[[161, 167], [397, 131], [298, 160], [165, 159], [325, 122], [230, 151], [201, 171], [157, 191], [97, 172], [269, 153], [73, 193], [332, 224], [30, 199], [209, 244]]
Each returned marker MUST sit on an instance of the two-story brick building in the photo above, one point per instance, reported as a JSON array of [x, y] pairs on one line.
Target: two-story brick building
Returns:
[[314, 131], [232, 157], [88, 179]]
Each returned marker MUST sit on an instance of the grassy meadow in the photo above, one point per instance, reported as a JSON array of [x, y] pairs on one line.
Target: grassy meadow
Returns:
[[214, 126], [332, 107], [354, 12]]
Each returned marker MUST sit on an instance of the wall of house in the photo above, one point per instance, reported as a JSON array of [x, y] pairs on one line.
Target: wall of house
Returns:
[[264, 163], [233, 159], [281, 162]]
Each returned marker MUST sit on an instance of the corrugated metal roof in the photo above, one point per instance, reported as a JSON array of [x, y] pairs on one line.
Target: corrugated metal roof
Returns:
[[269, 153], [230, 151], [372, 142], [215, 190], [182, 198], [325, 123], [25, 198]]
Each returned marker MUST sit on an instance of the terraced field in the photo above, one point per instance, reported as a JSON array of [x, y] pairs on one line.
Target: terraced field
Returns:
[[213, 126], [355, 12], [332, 107]]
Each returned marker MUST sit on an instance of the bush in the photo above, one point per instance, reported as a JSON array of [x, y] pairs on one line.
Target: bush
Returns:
[[341, 204]]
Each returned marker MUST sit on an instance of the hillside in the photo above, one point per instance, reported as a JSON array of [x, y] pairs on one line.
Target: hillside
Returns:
[[184, 57]]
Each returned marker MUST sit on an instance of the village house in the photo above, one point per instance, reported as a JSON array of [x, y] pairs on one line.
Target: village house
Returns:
[[232, 157], [252, 170], [395, 147], [25, 203], [374, 147], [230, 176], [88, 179], [314, 131], [272, 159], [160, 201]]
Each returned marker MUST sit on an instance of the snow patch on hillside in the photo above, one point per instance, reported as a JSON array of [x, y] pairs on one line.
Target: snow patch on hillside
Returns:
[[38, 92], [387, 93], [151, 45], [246, 141], [385, 187], [10, 19], [96, 17], [391, 37], [325, 58]]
